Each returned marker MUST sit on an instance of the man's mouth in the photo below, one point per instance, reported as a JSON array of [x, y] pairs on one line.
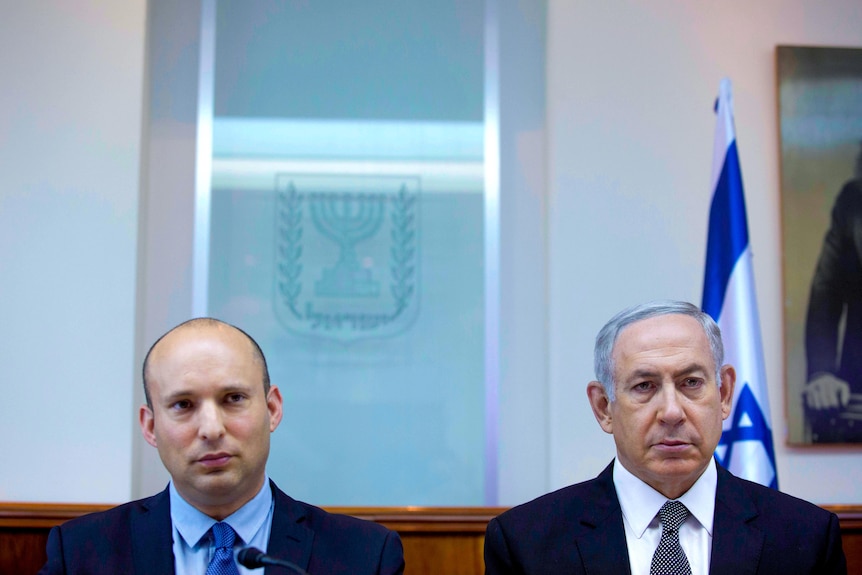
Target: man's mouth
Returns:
[[671, 445], [214, 459]]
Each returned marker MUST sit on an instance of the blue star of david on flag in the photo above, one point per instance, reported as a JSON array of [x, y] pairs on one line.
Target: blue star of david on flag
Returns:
[[746, 447], [749, 432]]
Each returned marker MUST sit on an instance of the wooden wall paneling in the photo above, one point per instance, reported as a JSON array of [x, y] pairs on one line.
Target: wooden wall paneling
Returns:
[[437, 541], [850, 517]]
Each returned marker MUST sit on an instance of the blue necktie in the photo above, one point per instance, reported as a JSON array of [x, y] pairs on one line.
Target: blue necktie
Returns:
[[222, 562]]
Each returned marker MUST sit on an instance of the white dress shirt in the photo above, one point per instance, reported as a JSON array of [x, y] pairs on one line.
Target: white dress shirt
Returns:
[[640, 504]]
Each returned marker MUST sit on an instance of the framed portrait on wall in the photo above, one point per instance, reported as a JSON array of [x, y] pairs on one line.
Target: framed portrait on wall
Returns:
[[820, 121]]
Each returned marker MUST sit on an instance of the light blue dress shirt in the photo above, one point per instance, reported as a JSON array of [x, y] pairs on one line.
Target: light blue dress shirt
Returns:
[[193, 544]]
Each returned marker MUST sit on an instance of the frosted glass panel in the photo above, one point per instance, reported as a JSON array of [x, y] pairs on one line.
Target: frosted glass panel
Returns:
[[346, 235]]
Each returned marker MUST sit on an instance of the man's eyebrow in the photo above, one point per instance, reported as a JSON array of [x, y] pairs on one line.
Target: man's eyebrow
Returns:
[[238, 387], [643, 373], [227, 388], [692, 368], [648, 373], [175, 395]]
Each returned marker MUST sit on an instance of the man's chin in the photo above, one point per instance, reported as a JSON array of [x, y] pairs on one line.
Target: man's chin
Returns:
[[216, 483], [680, 467]]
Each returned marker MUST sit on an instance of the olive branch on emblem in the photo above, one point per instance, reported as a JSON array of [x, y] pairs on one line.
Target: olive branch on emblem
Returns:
[[403, 251], [289, 226]]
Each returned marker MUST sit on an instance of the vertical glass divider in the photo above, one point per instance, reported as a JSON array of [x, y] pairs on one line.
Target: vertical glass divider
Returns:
[[203, 159], [492, 246]]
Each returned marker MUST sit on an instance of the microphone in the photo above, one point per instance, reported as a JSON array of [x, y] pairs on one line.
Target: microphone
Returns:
[[254, 558]]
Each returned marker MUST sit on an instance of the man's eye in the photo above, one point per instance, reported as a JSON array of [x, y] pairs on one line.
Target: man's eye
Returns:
[[181, 405], [693, 382], [643, 386], [235, 398]]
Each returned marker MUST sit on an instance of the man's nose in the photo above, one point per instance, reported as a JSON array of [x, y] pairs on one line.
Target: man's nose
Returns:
[[671, 410], [210, 421]]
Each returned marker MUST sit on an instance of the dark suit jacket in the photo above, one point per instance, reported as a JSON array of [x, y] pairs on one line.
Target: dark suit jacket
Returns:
[[579, 529], [135, 538]]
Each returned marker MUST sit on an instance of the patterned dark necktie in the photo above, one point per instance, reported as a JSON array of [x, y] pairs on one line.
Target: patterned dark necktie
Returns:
[[669, 558], [222, 562]]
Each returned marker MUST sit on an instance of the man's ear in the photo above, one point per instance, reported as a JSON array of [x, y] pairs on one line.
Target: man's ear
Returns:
[[147, 421], [274, 405], [728, 381], [601, 405]]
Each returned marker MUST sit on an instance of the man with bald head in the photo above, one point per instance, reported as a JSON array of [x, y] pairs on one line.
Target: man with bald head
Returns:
[[664, 505], [210, 411]]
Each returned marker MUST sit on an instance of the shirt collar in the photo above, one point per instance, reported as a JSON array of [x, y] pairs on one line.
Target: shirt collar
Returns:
[[640, 502], [192, 524]]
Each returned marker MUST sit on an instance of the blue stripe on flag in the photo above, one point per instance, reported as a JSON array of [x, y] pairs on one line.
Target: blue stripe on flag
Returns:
[[728, 232]]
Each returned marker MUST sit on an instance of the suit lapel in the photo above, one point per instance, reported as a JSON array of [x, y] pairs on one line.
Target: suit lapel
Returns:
[[601, 537], [288, 538], [152, 536], [736, 542]]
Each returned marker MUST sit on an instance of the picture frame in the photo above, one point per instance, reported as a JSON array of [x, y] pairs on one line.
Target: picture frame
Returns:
[[820, 128]]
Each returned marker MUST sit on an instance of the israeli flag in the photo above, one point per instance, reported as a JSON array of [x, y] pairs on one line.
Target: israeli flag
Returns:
[[746, 446]]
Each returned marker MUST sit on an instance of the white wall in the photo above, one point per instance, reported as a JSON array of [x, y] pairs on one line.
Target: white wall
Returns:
[[70, 116], [631, 86]]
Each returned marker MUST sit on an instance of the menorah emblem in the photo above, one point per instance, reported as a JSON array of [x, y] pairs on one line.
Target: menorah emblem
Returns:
[[347, 254], [347, 219]]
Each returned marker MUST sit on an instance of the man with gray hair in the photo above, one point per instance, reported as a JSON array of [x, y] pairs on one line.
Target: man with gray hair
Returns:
[[664, 505]]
